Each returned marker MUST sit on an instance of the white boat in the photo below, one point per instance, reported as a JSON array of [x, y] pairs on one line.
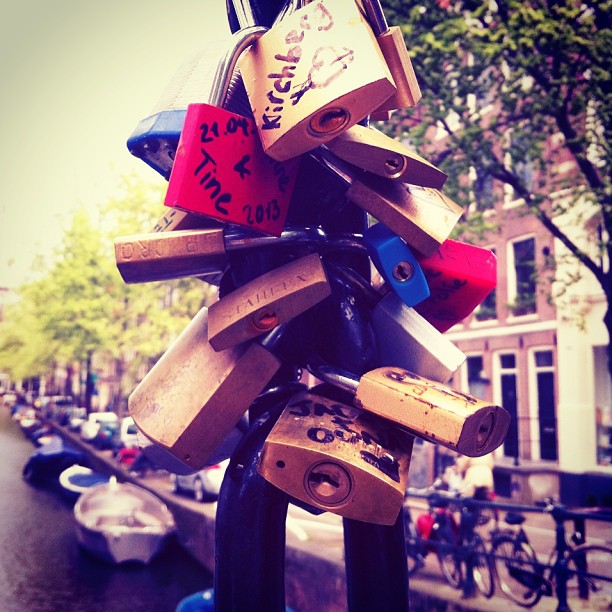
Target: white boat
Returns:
[[76, 479], [121, 522]]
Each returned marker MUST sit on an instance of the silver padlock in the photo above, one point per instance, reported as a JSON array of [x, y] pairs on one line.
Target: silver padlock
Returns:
[[403, 337]]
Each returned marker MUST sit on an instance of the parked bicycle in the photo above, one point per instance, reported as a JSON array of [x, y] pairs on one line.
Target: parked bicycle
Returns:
[[454, 541], [585, 569]]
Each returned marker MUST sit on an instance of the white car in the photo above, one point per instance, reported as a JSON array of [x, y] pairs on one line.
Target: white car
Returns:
[[90, 427], [203, 485], [128, 432]]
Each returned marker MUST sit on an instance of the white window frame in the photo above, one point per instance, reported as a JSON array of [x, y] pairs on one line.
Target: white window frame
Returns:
[[511, 282], [532, 386]]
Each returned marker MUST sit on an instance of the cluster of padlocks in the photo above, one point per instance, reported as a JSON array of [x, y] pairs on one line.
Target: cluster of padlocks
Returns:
[[329, 243]]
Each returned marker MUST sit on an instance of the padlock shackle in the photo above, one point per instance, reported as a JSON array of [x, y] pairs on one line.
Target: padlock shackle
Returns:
[[241, 41], [343, 379], [376, 16], [243, 238]]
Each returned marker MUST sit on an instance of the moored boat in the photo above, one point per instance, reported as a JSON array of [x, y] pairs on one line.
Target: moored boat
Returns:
[[121, 522], [76, 479]]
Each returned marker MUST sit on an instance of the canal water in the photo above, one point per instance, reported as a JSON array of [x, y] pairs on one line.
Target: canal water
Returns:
[[42, 568]]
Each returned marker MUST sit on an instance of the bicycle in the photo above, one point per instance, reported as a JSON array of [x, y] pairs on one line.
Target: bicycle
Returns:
[[525, 580], [439, 531]]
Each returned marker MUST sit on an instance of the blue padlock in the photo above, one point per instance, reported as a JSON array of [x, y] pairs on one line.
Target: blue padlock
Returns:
[[396, 264]]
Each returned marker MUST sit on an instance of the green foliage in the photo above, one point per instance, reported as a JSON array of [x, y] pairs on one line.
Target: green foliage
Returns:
[[80, 305], [500, 79]]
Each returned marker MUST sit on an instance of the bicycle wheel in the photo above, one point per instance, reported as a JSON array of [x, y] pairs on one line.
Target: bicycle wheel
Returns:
[[483, 571], [449, 559], [590, 569], [516, 571]]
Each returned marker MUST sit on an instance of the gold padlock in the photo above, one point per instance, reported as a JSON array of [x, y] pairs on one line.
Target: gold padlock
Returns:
[[201, 252], [174, 254], [267, 301], [393, 47], [338, 458], [422, 217], [192, 398], [376, 152], [434, 411], [427, 409], [317, 72]]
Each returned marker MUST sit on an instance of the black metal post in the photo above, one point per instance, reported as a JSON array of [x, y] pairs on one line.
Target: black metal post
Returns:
[[376, 566], [561, 571], [250, 533], [466, 527]]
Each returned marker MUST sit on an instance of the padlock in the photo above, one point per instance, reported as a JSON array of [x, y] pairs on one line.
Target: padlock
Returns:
[[393, 47], [221, 170], [267, 301], [396, 264], [338, 458], [317, 72], [195, 252], [403, 338], [460, 276], [427, 409], [422, 217], [155, 138], [194, 396], [165, 460], [371, 150]]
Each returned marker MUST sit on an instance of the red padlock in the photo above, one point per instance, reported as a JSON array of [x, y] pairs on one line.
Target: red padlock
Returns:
[[221, 171], [460, 276]]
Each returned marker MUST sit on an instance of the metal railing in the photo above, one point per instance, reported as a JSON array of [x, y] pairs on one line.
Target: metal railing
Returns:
[[473, 513]]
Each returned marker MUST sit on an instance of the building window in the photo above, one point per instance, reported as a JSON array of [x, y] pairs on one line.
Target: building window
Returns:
[[522, 277], [487, 309], [544, 394], [507, 385], [476, 377], [603, 406]]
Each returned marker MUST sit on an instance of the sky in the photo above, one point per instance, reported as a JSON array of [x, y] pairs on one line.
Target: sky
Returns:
[[76, 78]]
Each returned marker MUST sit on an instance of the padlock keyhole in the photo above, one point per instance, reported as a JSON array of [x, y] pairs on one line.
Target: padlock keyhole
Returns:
[[328, 483], [403, 271], [329, 121]]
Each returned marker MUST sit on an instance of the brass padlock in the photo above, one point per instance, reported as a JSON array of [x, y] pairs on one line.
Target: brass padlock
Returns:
[[338, 458], [367, 148], [422, 217], [393, 47], [192, 398], [178, 253], [317, 72], [427, 409], [267, 301]]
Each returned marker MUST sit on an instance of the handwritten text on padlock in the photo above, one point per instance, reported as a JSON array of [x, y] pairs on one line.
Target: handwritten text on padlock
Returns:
[[221, 171]]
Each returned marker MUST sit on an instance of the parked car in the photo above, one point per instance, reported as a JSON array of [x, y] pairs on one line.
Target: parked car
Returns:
[[90, 427], [203, 485], [76, 417], [128, 432]]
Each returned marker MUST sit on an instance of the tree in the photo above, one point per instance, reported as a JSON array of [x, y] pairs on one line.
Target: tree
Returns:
[[80, 308], [544, 69]]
